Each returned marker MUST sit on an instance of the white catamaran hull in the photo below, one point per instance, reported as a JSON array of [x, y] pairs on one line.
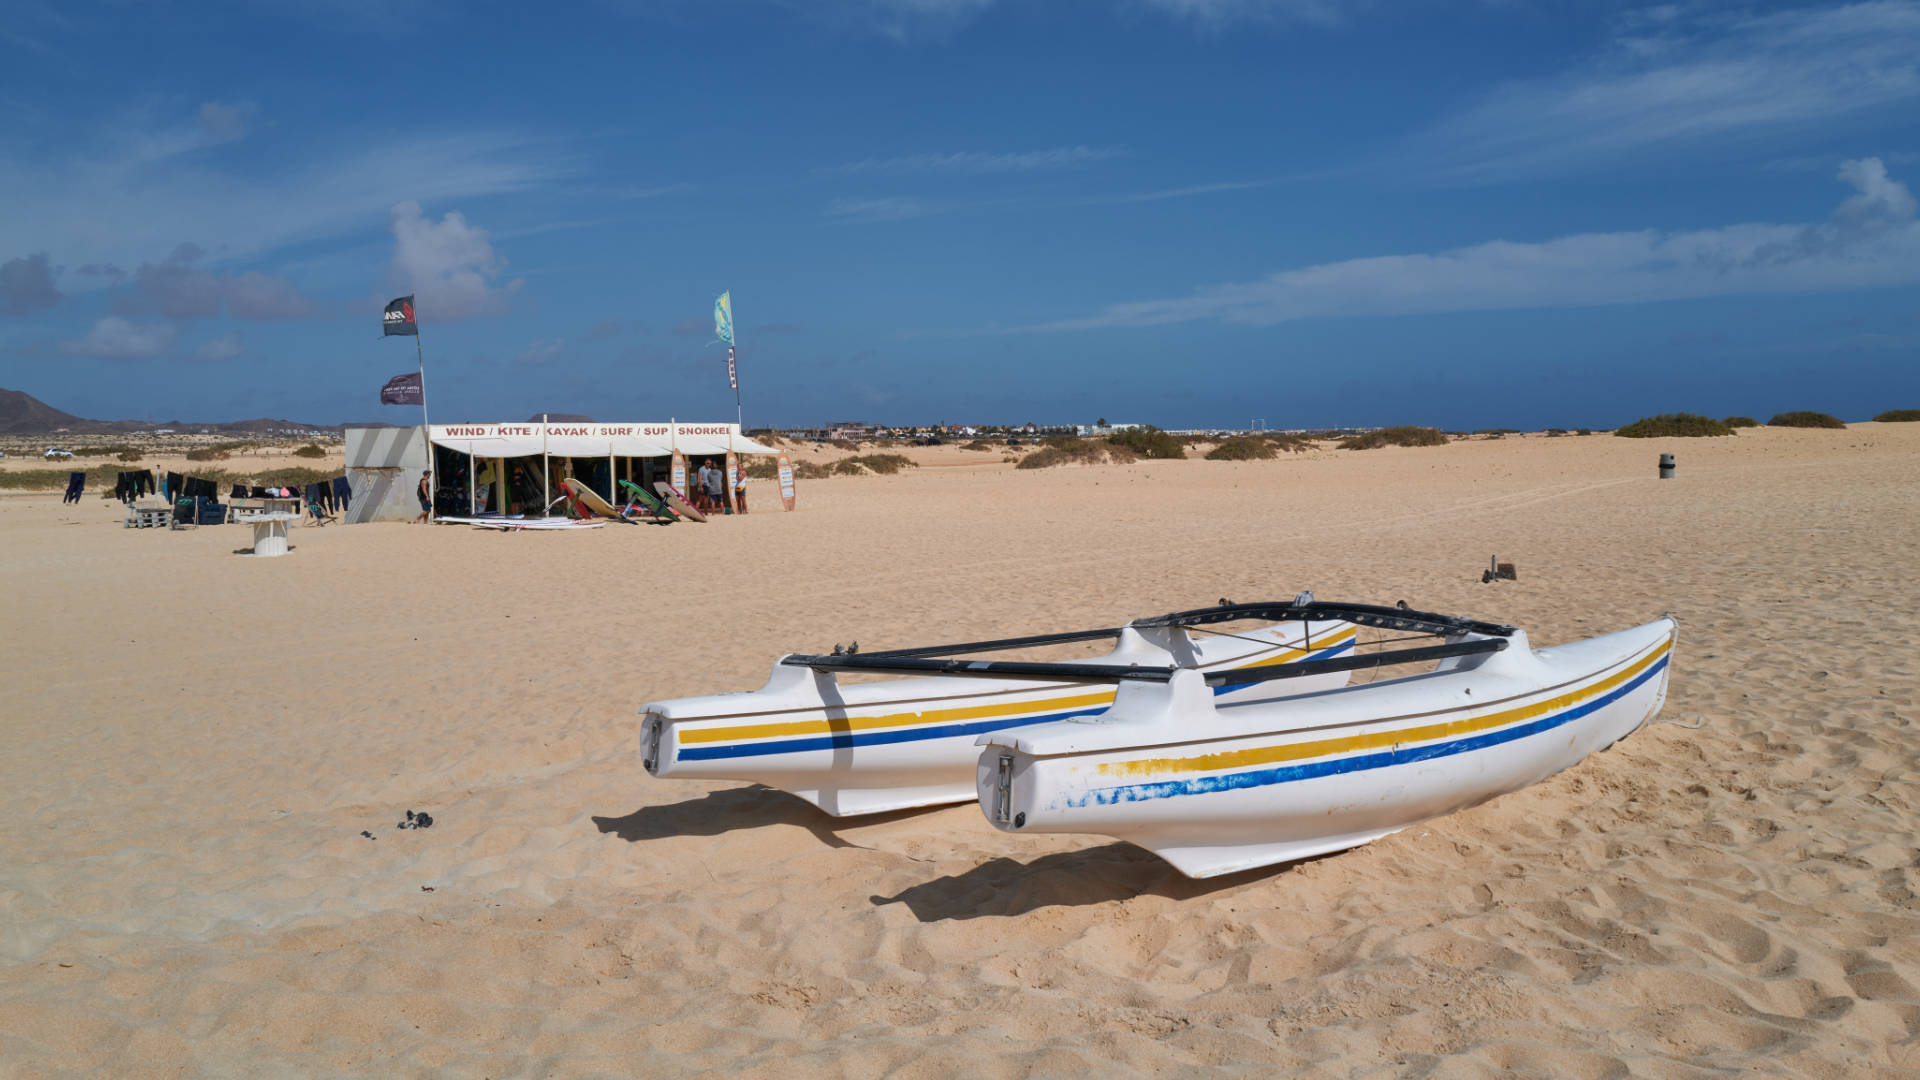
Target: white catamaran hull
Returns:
[[872, 747], [1218, 789]]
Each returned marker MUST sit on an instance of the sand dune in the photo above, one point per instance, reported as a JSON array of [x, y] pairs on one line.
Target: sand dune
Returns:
[[196, 742]]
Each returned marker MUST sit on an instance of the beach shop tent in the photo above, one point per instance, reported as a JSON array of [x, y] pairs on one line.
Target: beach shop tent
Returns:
[[384, 464]]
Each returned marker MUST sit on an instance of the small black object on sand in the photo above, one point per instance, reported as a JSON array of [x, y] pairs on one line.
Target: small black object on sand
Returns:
[[421, 820]]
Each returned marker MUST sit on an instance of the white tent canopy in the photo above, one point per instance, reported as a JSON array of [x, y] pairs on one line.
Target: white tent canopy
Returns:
[[595, 440]]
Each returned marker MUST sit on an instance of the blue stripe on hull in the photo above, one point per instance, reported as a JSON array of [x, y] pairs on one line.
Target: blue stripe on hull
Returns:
[[1287, 773], [844, 740]]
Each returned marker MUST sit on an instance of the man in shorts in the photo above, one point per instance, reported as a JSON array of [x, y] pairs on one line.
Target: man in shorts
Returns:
[[426, 498]]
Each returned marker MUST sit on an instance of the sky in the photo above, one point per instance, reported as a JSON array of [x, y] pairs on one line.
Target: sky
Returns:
[[1194, 213]]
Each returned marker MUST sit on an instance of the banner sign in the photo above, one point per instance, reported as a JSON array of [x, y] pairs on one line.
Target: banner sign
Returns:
[[733, 479], [678, 477], [399, 319], [535, 429], [733, 380], [723, 317], [402, 390], [786, 480]]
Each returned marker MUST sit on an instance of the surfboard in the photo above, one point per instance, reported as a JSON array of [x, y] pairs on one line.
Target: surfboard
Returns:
[[589, 498], [733, 481], [661, 511], [520, 524], [678, 501], [786, 480]]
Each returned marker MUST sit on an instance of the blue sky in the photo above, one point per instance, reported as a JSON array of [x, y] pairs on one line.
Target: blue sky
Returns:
[[1191, 212]]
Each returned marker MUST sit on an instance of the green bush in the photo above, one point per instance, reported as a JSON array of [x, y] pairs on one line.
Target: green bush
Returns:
[[1148, 442], [1898, 416], [1394, 436], [1740, 421], [1288, 442], [1806, 418], [884, 464], [310, 451], [1243, 448], [1674, 425], [1583, 431]]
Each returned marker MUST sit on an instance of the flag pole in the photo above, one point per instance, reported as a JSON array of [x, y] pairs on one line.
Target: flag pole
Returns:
[[426, 426]]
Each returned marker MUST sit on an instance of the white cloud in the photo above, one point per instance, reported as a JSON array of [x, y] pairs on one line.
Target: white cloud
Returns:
[[542, 353], [1192, 190], [1872, 239], [177, 288], [140, 190], [1690, 81], [449, 266], [224, 122], [868, 211], [970, 162], [114, 338], [1216, 13], [26, 285], [220, 349]]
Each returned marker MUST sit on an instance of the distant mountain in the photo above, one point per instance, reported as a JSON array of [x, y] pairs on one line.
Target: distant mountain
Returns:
[[23, 414]]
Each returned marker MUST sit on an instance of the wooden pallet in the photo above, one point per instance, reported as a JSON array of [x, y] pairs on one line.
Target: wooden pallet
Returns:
[[150, 517]]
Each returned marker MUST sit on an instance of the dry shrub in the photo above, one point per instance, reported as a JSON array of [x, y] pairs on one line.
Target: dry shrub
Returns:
[[884, 464], [1287, 442], [847, 467], [208, 453], [810, 470], [310, 450], [1148, 442], [1243, 448], [842, 444], [1394, 436], [1683, 425], [1806, 418], [978, 444], [1740, 421], [1898, 416], [130, 454], [761, 467]]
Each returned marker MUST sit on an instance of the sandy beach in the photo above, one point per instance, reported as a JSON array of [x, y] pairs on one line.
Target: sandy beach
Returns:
[[196, 742]]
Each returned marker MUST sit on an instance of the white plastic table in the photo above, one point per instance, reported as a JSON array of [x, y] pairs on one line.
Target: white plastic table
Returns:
[[270, 532]]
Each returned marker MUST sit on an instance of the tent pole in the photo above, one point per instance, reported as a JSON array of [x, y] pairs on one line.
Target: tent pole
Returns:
[[546, 484], [473, 470]]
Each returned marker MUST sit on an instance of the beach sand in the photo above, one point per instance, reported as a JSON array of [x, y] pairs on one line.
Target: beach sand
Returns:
[[195, 742]]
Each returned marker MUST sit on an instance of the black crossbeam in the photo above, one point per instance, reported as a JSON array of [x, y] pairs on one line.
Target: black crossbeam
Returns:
[[1301, 668]]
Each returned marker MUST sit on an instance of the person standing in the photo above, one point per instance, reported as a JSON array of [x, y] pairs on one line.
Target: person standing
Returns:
[[716, 487], [740, 489], [426, 498]]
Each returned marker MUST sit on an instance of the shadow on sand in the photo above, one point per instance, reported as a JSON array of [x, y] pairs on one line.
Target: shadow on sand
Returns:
[[751, 807], [1007, 887]]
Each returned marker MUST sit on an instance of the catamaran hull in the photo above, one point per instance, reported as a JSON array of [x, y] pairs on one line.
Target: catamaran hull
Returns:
[[872, 747], [1329, 771]]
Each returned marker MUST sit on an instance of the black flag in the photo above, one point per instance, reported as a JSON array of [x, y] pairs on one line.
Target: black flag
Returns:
[[399, 319], [402, 389]]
